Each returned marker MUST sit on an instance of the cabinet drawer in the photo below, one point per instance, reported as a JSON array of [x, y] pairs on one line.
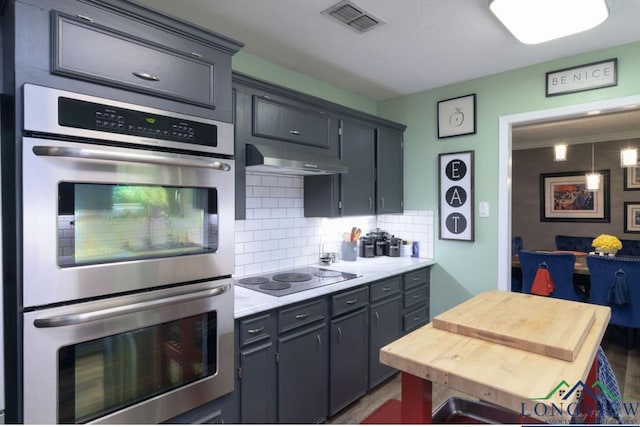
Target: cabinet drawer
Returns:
[[416, 296], [416, 278], [386, 288], [301, 314], [348, 301], [256, 329], [84, 49], [415, 319], [290, 122]]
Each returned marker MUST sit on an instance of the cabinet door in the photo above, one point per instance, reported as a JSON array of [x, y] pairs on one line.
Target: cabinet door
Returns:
[[389, 170], [258, 384], [357, 189], [87, 50], [303, 375], [349, 359], [385, 326]]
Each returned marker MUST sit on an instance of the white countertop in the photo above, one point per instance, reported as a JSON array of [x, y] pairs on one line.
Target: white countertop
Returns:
[[248, 302]]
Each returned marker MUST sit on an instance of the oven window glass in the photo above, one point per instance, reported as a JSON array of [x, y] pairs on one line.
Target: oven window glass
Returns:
[[99, 377], [102, 223]]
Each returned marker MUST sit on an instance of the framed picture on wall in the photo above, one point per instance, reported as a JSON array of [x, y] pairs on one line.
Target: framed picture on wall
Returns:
[[564, 198], [632, 179], [455, 206], [632, 217], [457, 116]]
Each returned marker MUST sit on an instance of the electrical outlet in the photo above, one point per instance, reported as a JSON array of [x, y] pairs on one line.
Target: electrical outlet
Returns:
[[483, 209]]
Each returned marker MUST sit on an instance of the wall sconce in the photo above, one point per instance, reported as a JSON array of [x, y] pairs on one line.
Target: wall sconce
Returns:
[[629, 157], [560, 152], [593, 178], [537, 21]]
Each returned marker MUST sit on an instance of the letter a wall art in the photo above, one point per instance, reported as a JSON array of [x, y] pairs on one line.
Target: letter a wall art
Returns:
[[455, 204]]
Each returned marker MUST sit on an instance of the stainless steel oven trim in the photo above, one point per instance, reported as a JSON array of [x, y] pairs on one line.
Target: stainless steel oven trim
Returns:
[[41, 347], [40, 102], [46, 283]]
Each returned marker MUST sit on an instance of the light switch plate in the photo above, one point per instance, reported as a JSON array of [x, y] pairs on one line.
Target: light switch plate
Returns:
[[483, 209]]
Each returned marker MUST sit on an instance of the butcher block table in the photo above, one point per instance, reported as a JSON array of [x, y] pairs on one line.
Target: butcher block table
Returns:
[[505, 348]]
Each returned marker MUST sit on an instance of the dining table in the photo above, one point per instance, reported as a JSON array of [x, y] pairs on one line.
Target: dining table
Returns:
[[521, 355]]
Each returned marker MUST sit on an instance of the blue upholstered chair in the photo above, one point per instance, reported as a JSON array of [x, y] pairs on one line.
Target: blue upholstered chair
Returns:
[[517, 245], [574, 243], [603, 272], [560, 267]]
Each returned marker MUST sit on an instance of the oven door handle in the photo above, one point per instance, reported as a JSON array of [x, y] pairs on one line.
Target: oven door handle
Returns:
[[124, 155], [107, 313]]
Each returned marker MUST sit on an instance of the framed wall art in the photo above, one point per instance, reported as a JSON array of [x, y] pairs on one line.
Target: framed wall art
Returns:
[[455, 205], [632, 179], [632, 217], [565, 198], [457, 116]]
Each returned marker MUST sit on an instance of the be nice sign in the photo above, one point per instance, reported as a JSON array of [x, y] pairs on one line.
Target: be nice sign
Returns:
[[456, 196], [585, 77]]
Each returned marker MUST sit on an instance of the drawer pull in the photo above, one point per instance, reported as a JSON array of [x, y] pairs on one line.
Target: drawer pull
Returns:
[[196, 54], [415, 279], [386, 289], [295, 132], [415, 319], [86, 18], [256, 331], [352, 301], [416, 296], [302, 316], [146, 76]]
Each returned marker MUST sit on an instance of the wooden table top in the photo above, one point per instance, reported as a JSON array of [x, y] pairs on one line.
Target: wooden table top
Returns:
[[580, 266], [506, 376]]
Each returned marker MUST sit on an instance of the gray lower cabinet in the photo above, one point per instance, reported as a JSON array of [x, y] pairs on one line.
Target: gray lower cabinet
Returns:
[[415, 301], [303, 363], [256, 368], [307, 361], [385, 325], [349, 348]]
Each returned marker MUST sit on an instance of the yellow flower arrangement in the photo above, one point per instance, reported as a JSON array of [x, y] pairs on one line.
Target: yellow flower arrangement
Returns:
[[607, 242]]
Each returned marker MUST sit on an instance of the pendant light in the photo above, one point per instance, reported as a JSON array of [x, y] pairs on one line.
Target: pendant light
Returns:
[[628, 156], [593, 178], [560, 152]]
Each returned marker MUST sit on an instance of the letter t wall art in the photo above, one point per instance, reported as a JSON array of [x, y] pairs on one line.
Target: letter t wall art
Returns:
[[456, 196]]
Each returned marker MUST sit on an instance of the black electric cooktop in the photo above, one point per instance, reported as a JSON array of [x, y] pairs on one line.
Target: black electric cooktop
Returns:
[[285, 282]]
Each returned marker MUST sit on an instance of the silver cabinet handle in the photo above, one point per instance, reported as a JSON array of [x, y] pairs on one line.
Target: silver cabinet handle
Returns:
[[256, 331], [318, 342], [382, 202], [295, 132], [108, 313], [86, 18], [302, 316], [339, 334], [377, 318], [415, 279], [386, 289], [155, 158], [146, 76], [416, 296], [370, 203], [352, 301]]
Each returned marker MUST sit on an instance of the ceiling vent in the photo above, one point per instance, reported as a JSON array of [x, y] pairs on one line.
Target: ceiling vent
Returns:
[[352, 16]]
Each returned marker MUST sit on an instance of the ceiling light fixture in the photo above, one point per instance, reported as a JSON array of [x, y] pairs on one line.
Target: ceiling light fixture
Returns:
[[537, 21], [593, 178], [560, 152]]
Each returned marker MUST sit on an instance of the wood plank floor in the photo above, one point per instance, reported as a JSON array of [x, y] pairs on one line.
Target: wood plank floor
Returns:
[[625, 364]]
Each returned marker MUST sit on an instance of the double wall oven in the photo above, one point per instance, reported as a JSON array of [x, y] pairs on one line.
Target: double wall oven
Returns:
[[128, 237]]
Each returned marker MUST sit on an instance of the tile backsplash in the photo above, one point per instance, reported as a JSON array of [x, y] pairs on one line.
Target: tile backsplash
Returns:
[[275, 234]]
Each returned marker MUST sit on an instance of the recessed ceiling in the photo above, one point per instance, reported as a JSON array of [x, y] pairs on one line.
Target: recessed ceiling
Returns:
[[423, 44]]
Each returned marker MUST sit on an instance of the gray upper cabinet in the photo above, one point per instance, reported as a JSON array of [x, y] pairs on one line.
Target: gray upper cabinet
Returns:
[[389, 170], [357, 188], [291, 122], [124, 51]]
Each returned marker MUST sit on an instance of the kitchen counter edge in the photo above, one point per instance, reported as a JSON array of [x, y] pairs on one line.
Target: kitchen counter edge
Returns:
[[248, 302]]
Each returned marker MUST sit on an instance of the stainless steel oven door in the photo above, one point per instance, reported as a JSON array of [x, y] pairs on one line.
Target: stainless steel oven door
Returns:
[[100, 220], [134, 359]]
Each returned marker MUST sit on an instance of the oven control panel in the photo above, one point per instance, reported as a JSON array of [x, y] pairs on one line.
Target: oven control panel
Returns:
[[82, 114]]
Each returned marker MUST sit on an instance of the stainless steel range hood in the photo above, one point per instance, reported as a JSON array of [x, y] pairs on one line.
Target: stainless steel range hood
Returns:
[[291, 161]]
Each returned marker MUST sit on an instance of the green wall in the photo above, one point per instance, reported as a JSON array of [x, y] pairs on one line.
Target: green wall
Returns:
[[463, 269]]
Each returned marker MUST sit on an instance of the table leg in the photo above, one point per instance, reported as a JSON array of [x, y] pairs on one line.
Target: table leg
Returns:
[[417, 405], [589, 403]]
